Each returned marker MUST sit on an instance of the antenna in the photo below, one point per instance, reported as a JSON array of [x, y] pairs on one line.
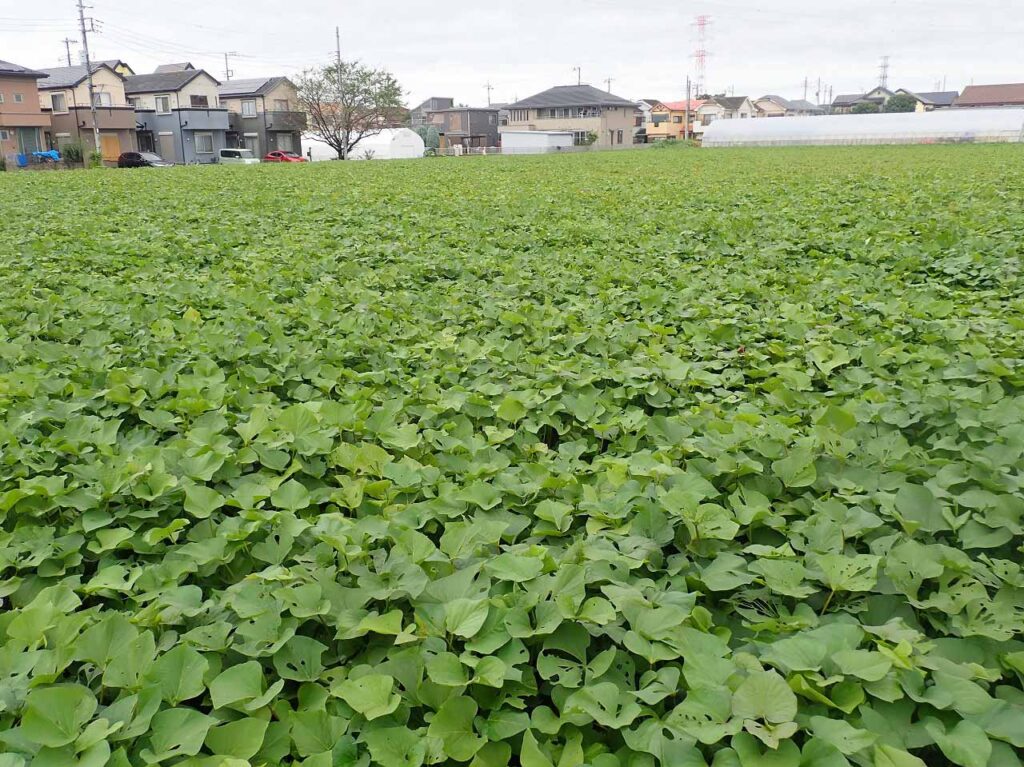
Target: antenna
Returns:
[[700, 55], [67, 47], [608, 81], [489, 88], [883, 73], [579, 75], [228, 71]]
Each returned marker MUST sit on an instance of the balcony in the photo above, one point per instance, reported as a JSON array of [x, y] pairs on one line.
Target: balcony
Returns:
[[107, 118], [194, 118], [275, 121]]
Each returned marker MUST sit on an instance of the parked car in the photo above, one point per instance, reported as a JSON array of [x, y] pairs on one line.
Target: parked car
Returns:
[[237, 157], [281, 156], [142, 160]]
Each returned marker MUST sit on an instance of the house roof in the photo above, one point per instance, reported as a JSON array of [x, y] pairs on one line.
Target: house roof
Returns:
[[573, 96], [115, 63], [163, 82], [254, 86], [847, 99], [802, 105], [9, 69], [784, 103], [938, 98], [729, 102], [650, 102], [992, 95], [680, 106], [69, 77], [491, 108], [180, 66]]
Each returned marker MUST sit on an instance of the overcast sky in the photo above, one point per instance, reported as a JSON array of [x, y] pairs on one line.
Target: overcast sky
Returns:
[[524, 46]]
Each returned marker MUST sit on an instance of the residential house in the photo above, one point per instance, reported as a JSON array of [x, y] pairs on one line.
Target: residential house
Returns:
[[776, 106], [420, 115], [1006, 95], [121, 67], [264, 114], [65, 93], [846, 103], [467, 126], [929, 101], [24, 126], [668, 119], [178, 114], [723, 108], [503, 113], [642, 119], [588, 112]]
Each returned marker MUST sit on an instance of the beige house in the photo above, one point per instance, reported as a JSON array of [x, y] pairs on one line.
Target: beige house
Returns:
[[591, 115], [65, 93], [265, 114], [22, 122]]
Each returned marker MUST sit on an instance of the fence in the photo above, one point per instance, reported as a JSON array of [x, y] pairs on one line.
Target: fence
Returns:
[[460, 151]]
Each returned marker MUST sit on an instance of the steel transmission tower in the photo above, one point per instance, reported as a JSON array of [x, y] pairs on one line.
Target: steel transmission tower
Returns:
[[700, 55], [883, 72]]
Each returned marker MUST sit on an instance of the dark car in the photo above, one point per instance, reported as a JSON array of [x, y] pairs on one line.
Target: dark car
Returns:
[[142, 160]]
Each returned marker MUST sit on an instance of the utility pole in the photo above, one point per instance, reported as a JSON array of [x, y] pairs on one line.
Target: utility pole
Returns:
[[817, 94], [489, 88], [805, 89], [337, 54], [88, 74], [67, 47], [228, 71], [883, 73], [579, 75], [686, 126], [608, 81]]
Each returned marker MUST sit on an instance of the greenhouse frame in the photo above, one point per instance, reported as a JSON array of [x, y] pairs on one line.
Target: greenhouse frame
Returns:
[[944, 126]]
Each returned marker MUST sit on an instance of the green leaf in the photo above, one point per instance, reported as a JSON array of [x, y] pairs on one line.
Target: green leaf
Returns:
[[841, 734], [371, 695], [201, 501], [764, 695], [179, 674], [966, 744], [396, 747], [54, 716], [176, 732], [453, 724], [237, 684], [241, 738], [530, 755], [796, 469], [300, 659], [465, 617]]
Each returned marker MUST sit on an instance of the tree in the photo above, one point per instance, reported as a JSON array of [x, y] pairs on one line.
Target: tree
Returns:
[[347, 102], [901, 102], [865, 108], [433, 138]]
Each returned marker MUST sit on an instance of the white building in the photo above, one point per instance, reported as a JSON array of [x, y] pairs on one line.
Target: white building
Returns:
[[535, 141], [389, 144]]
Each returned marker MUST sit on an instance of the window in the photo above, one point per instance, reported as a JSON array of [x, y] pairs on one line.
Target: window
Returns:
[[163, 104], [1, 98], [581, 137], [492, 119], [520, 115], [58, 102], [4, 135], [102, 99], [18, 98], [134, 102], [204, 143], [285, 142], [707, 119], [281, 105], [659, 118], [249, 108], [620, 137], [199, 102], [678, 119]]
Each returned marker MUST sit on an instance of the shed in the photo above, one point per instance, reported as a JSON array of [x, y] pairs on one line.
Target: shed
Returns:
[[938, 127], [535, 141]]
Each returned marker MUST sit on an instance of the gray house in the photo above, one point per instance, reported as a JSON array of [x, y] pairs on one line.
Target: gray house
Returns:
[[420, 115], [178, 115], [264, 113], [467, 126]]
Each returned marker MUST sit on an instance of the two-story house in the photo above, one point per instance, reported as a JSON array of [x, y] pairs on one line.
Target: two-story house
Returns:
[[668, 119], [777, 106], [178, 114], [65, 93], [420, 115], [264, 114], [467, 126], [590, 114], [24, 126]]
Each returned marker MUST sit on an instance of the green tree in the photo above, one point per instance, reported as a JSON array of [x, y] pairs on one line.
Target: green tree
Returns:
[[865, 108], [433, 138], [901, 102], [348, 101]]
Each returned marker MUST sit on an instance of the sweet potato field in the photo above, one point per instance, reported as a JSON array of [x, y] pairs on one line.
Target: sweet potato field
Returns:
[[655, 459]]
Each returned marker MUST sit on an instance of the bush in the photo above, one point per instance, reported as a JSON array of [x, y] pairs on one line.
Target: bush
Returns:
[[900, 103], [95, 159], [3, 163], [72, 152], [866, 108]]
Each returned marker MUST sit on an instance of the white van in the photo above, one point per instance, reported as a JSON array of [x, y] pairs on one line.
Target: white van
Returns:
[[237, 157]]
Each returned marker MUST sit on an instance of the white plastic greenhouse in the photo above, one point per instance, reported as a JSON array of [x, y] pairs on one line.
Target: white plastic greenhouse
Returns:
[[943, 126]]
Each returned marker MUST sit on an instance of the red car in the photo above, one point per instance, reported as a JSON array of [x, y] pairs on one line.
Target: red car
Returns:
[[283, 157]]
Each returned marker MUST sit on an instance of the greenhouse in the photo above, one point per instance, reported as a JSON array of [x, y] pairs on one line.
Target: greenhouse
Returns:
[[946, 126]]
